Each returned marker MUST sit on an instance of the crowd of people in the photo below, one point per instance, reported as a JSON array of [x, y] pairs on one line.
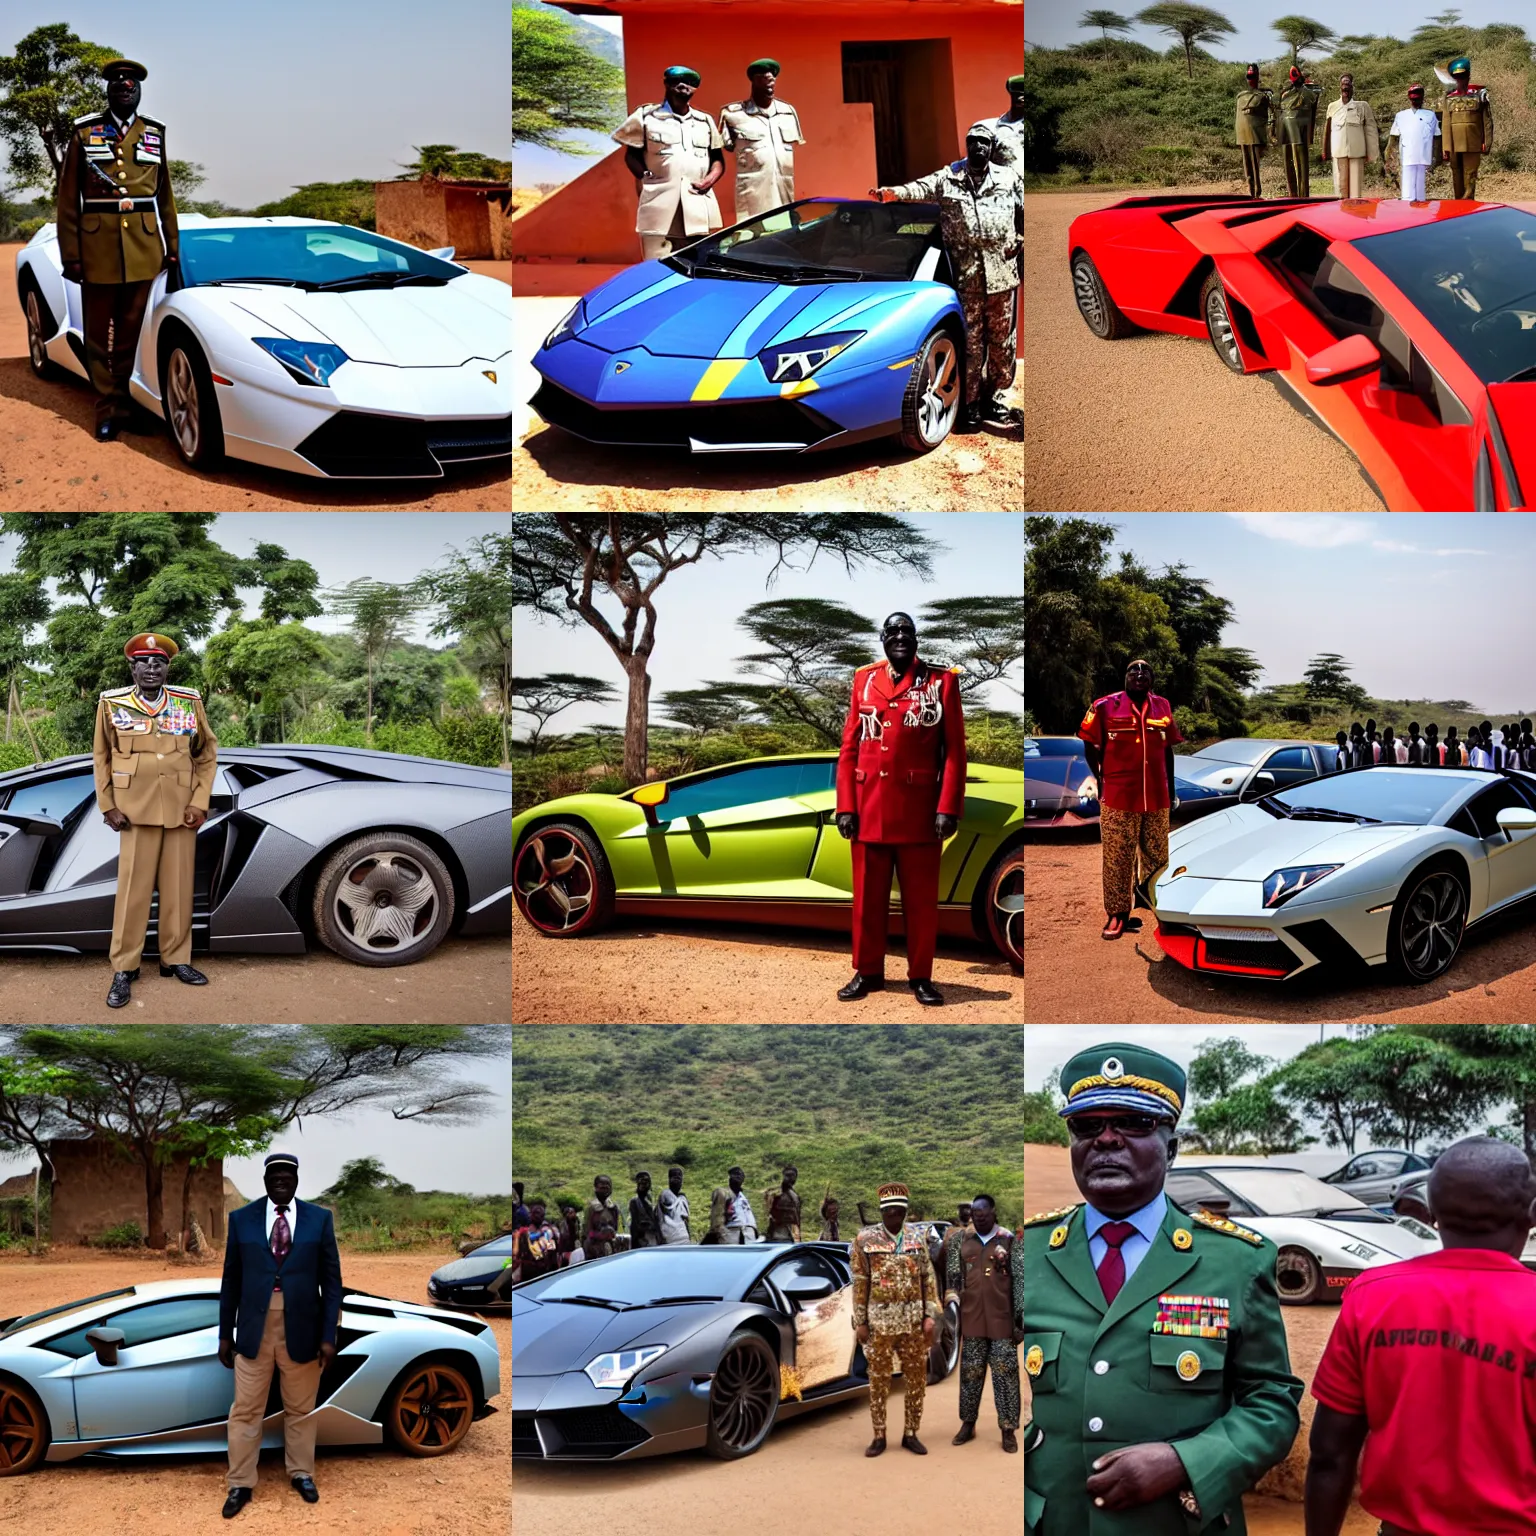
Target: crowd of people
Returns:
[[1484, 746]]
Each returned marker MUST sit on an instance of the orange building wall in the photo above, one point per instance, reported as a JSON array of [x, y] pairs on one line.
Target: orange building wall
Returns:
[[597, 222]]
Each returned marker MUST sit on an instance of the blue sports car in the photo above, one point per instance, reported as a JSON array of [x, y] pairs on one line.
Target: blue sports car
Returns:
[[825, 322]]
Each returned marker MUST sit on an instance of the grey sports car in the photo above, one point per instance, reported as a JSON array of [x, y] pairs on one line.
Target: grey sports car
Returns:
[[673, 1348], [378, 856]]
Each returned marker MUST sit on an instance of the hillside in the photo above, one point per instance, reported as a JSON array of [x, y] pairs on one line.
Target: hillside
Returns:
[[938, 1109], [604, 44]]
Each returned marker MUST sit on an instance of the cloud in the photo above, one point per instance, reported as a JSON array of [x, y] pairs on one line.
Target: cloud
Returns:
[[1327, 530]]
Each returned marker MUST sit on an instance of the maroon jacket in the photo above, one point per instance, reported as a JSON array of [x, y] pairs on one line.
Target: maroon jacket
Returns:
[[903, 753]]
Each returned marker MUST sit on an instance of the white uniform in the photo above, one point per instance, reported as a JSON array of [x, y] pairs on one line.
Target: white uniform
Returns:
[[764, 140], [676, 155], [1009, 150], [1416, 129]]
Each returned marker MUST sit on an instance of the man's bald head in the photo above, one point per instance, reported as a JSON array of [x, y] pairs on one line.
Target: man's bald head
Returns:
[[1482, 1195]]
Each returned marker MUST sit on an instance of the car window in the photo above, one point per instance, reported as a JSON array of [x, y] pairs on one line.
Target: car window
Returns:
[[502, 1244], [1290, 765], [143, 1325], [1388, 794], [1187, 1191], [1372, 1168], [803, 1266], [1484, 808], [53, 797], [747, 786], [315, 253]]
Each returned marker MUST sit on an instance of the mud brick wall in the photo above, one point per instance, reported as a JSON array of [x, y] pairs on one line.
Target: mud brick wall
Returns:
[[96, 1188]]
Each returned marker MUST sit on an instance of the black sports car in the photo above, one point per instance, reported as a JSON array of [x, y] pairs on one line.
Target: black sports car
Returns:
[[376, 855], [465, 1282], [669, 1349]]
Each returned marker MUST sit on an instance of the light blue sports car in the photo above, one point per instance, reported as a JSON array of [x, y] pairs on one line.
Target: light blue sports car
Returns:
[[136, 1371]]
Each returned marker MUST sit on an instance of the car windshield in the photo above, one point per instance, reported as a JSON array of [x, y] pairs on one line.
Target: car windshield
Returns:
[[497, 1245], [819, 240], [1285, 1192], [639, 1276], [1382, 794], [1052, 747], [309, 256], [1474, 280]]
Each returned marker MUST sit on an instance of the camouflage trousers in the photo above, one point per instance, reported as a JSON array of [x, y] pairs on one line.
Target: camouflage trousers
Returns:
[[991, 342], [1124, 835], [912, 1351], [1003, 1356]]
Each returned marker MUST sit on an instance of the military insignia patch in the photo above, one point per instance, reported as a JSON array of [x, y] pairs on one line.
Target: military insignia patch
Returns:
[[1193, 1317], [1059, 1237], [1188, 1365], [1034, 1360], [1183, 1240]]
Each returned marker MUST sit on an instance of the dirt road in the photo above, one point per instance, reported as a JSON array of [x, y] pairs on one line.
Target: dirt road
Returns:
[[364, 1490], [640, 973], [1155, 423], [50, 463], [1492, 982], [463, 981]]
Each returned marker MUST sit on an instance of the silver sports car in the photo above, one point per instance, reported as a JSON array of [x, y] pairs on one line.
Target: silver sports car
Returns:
[[1380, 866], [136, 1371]]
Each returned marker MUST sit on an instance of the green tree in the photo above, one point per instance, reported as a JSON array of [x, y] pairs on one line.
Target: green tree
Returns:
[[1222, 676], [1106, 22], [559, 84], [449, 161], [1507, 1056], [361, 1177], [714, 708], [1191, 24], [809, 648], [983, 636], [380, 612], [340, 202], [1423, 1086], [1219, 1066], [1327, 677], [264, 664], [1302, 33], [1064, 564], [1250, 1119], [287, 585], [23, 606], [547, 695], [52, 78], [1329, 1081]]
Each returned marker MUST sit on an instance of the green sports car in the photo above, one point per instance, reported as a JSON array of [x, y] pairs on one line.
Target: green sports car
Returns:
[[755, 842]]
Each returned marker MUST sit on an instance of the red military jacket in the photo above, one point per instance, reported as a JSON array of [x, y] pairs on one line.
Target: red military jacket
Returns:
[[903, 753], [1133, 742]]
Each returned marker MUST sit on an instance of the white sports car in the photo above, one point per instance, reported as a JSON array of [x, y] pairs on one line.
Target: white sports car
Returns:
[[304, 345], [1380, 866], [1325, 1236]]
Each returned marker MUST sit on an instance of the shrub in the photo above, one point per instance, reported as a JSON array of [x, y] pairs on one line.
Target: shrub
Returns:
[[126, 1234]]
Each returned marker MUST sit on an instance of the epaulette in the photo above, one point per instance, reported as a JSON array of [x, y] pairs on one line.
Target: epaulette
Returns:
[[117, 693], [153, 122], [647, 106], [186, 693], [90, 117], [1231, 1228], [1043, 1218]]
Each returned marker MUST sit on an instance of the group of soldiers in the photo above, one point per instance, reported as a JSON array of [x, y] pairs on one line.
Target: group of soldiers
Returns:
[[676, 154], [1512, 746], [1460, 134]]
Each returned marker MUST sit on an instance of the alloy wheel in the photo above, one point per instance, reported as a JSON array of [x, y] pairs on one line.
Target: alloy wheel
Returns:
[[434, 1409], [743, 1397], [556, 881], [386, 902], [1220, 323], [940, 399], [21, 1429], [35, 331], [181, 400], [1433, 922], [1008, 912]]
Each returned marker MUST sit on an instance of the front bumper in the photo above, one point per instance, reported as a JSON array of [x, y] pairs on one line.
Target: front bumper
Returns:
[[566, 1418], [1064, 812]]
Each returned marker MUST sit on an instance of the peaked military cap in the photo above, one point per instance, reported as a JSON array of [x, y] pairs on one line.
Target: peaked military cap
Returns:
[[893, 1194], [123, 66], [281, 1160], [680, 72], [1121, 1076], [982, 130], [150, 644], [1461, 66]]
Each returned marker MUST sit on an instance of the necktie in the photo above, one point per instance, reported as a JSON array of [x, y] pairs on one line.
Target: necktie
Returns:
[[1111, 1270], [282, 1239]]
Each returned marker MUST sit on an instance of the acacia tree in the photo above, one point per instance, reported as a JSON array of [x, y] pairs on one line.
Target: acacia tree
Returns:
[[1106, 22], [559, 84], [547, 695], [565, 564], [810, 648], [380, 612], [1191, 24], [983, 636], [1301, 32], [52, 78]]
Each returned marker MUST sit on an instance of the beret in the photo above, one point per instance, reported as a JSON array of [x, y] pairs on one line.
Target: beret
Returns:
[[772, 64], [1014, 80], [680, 72]]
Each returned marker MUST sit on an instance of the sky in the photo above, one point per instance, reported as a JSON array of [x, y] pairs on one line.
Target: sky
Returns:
[[697, 607], [342, 546], [268, 96], [531, 164], [1053, 23], [1411, 600]]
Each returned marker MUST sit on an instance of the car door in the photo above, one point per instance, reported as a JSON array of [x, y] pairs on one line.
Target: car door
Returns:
[[1511, 861], [1374, 1176], [32, 829], [823, 1327]]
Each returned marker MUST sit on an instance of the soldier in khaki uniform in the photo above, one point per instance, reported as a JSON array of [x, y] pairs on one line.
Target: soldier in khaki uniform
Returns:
[[1466, 128], [1350, 139], [155, 756], [114, 210], [1298, 128], [1255, 127], [763, 132], [1010, 128], [676, 155]]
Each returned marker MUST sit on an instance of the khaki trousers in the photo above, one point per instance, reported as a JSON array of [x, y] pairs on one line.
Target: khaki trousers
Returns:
[[149, 858], [1349, 176], [654, 247], [253, 1380], [1464, 166]]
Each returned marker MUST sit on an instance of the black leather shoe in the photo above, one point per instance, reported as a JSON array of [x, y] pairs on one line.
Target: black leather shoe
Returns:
[[307, 1490], [967, 421], [186, 973], [105, 431], [860, 986], [237, 1500], [966, 1435], [122, 988], [913, 1444], [926, 993], [876, 1447]]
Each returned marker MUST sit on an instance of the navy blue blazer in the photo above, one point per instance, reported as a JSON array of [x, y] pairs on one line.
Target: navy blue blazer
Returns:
[[311, 1281]]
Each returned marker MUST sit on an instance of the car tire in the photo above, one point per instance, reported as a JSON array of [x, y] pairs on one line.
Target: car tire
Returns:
[[383, 872], [1299, 1278], [1428, 923], [944, 1352], [188, 402], [1099, 311], [40, 327], [24, 1431], [996, 891], [1218, 323], [565, 887], [743, 1396], [935, 392], [429, 1409]]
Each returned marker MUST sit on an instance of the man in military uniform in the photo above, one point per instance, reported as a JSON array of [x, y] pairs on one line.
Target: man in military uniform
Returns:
[[1298, 125], [1255, 128], [1009, 149], [676, 157], [979, 1279], [763, 132], [1350, 139], [155, 755], [900, 791], [1466, 128], [895, 1311], [115, 207], [1159, 1372], [981, 222]]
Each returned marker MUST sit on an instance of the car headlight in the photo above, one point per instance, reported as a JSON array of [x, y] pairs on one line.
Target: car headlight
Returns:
[[574, 322], [310, 362], [791, 362], [1088, 789], [619, 1367], [1280, 886]]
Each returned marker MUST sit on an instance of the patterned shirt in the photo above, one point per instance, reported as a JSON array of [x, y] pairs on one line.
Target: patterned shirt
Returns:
[[893, 1282]]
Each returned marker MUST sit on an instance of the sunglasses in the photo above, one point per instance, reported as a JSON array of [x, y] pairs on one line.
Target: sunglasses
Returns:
[[1088, 1127]]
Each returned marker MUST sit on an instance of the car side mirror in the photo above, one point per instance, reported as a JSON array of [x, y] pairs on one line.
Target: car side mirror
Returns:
[[106, 1342], [1514, 819], [1262, 784], [812, 1288], [1342, 359], [648, 797]]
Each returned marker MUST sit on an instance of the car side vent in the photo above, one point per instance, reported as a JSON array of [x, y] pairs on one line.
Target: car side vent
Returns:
[[338, 1373], [470, 1325]]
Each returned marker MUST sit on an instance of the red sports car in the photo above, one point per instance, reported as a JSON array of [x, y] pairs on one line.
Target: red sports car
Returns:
[[1407, 329]]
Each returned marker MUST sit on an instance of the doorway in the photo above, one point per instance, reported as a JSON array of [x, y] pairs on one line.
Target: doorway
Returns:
[[910, 86]]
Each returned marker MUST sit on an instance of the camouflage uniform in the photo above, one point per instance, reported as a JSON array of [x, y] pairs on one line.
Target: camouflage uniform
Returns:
[[1123, 834], [893, 1291]]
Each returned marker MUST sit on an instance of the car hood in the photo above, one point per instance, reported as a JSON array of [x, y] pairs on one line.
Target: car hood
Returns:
[[1245, 843], [1391, 1238], [1057, 771], [671, 315], [1515, 405], [551, 1337], [401, 327], [470, 1268], [1219, 778]]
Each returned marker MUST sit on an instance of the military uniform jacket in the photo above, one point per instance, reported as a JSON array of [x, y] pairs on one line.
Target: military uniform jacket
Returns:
[[764, 140], [982, 226], [104, 168], [153, 762], [676, 155], [979, 1276], [1253, 125], [1010, 143], [902, 759], [1466, 121], [1298, 114], [893, 1283], [1192, 1351]]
